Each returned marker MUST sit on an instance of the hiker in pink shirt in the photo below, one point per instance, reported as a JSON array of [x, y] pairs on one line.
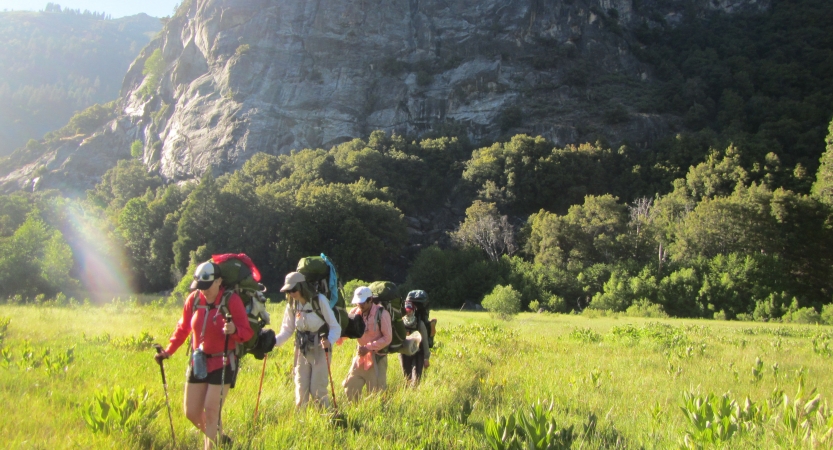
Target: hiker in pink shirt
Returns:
[[370, 365]]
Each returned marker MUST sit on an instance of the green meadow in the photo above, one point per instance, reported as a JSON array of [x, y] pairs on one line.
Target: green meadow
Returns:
[[598, 382]]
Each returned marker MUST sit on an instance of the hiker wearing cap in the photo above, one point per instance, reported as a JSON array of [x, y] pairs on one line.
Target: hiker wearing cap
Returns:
[[369, 367], [315, 327], [205, 323], [412, 365]]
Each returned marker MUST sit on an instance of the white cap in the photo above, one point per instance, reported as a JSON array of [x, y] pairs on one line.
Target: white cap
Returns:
[[205, 275], [361, 295]]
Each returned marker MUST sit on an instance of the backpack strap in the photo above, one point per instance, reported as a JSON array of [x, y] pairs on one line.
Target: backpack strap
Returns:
[[316, 308], [381, 308], [225, 311]]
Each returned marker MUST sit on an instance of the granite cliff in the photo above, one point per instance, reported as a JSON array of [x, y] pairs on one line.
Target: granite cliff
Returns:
[[247, 76]]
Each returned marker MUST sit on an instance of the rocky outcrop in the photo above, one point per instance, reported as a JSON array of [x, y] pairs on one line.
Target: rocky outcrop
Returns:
[[247, 76]]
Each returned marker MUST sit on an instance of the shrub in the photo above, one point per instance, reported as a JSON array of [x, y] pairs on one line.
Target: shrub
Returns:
[[120, 410], [803, 315], [424, 78], [137, 149], [534, 305], [644, 308], [503, 303], [827, 314], [242, 49]]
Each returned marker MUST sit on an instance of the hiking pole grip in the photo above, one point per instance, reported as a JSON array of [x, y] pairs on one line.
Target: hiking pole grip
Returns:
[[161, 367]]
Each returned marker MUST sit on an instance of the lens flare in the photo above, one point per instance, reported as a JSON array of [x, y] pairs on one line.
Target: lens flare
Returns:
[[100, 262]]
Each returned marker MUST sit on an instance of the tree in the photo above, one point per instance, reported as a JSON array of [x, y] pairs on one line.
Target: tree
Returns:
[[485, 228], [198, 223], [129, 179], [153, 69], [823, 187]]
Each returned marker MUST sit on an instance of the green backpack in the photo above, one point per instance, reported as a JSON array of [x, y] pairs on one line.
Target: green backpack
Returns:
[[386, 296], [322, 278], [242, 277], [422, 310]]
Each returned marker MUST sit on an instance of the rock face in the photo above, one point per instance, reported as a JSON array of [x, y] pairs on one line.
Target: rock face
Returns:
[[247, 76]]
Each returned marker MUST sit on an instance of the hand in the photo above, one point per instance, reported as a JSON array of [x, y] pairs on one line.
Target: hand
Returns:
[[363, 350], [427, 364], [325, 343], [161, 356], [229, 328]]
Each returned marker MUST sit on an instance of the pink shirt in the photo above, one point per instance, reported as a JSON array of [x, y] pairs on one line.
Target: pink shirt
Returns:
[[375, 337]]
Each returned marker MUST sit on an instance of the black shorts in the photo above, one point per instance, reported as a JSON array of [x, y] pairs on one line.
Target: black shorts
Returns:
[[214, 377]]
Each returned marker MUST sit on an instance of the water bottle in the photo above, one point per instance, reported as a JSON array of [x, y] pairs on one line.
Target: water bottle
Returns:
[[199, 364]]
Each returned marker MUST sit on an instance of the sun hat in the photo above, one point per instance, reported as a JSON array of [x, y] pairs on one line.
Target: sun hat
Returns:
[[205, 275], [361, 295], [292, 279]]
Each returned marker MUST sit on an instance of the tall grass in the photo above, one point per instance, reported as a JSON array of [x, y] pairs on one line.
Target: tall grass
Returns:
[[613, 382]]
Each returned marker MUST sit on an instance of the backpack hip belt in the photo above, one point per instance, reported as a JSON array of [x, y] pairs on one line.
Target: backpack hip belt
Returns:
[[305, 340]]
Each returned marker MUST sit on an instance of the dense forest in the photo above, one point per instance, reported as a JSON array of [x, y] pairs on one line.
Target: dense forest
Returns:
[[731, 219], [60, 61]]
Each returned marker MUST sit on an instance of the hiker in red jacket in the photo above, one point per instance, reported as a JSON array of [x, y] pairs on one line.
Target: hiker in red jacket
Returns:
[[203, 319]]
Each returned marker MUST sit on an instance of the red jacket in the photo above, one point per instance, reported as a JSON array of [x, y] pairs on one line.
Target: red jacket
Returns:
[[213, 337]]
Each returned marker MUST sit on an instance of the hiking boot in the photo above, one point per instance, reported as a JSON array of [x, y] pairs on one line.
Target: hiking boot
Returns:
[[225, 441]]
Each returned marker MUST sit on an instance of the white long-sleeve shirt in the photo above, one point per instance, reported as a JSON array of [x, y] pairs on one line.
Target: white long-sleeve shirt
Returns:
[[305, 319]]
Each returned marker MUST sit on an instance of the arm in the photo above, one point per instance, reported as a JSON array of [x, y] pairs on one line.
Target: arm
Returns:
[[426, 350], [183, 327], [287, 326], [330, 318], [387, 333], [243, 330]]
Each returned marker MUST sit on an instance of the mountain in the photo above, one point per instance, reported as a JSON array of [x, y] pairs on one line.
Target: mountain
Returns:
[[53, 64], [226, 79]]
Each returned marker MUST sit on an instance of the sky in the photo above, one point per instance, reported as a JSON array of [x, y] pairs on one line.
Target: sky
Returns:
[[116, 8]]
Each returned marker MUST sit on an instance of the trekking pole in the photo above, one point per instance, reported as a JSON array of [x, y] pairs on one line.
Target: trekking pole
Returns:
[[165, 386], [262, 371], [219, 437], [330, 372]]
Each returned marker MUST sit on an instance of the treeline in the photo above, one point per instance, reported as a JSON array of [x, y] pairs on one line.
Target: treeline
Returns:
[[56, 8], [347, 202], [720, 244]]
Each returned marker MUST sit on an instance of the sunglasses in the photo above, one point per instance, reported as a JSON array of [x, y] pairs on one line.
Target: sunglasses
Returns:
[[204, 277], [295, 289]]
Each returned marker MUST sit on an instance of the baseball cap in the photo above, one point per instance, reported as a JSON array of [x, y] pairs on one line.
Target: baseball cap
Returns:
[[361, 295], [292, 279]]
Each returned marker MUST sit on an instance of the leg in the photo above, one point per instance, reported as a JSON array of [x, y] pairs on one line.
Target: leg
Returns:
[[419, 364], [302, 381], [194, 404], [405, 362], [382, 373], [212, 412], [319, 382], [355, 381]]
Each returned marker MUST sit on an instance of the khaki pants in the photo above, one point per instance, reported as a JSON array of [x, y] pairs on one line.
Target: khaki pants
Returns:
[[376, 378], [311, 378]]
